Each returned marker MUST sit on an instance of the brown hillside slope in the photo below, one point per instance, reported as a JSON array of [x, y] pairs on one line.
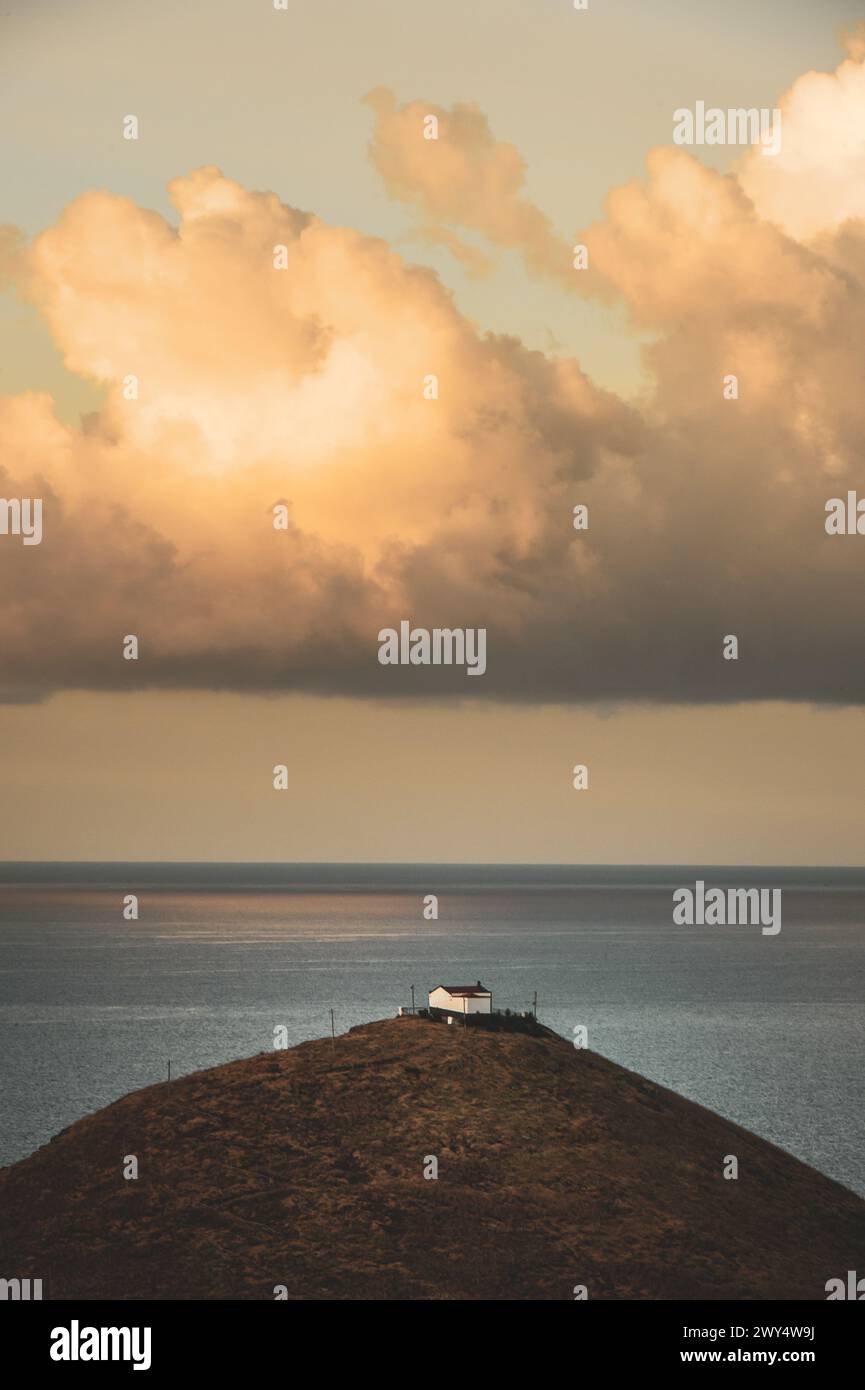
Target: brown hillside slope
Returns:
[[304, 1168]]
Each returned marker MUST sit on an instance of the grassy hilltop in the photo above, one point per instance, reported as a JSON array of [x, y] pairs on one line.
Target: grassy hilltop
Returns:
[[305, 1168]]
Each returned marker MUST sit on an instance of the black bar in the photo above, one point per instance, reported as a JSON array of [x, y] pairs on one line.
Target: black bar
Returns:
[[247, 1338]]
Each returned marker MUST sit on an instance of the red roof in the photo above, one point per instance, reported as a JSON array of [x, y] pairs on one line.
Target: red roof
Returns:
[[461, 991]]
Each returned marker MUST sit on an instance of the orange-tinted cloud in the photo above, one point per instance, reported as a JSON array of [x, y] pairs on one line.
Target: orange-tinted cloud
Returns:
[[306, 385], [464, 178], [817, 179], [256, 386]]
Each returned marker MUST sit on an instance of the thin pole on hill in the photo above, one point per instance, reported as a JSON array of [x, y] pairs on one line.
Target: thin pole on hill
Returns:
[[535, 1006], [169, 1069], [332, 1031], [412, 998]]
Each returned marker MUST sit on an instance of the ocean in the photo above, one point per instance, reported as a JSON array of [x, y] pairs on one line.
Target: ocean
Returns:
[[768, 1031]]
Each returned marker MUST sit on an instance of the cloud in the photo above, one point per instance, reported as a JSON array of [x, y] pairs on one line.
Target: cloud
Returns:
[[306, 386], [817, 180], [257, 385], [464, 178]]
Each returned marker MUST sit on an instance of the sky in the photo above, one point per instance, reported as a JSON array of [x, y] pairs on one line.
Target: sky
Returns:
[[302, 388]]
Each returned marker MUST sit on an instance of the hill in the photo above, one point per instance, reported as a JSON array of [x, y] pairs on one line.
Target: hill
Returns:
[[305, 1168]]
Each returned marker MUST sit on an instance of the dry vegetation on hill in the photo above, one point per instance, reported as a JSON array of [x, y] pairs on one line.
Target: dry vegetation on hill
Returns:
[[304, 1168]]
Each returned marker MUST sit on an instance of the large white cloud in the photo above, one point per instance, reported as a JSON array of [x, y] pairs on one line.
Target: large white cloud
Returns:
[[817, 180], [306, 385]]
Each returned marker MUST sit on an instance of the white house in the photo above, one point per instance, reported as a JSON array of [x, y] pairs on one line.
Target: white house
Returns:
[[461, 999]]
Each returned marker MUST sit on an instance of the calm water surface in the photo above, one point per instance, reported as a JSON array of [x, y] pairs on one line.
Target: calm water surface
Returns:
[[769, 1031]]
